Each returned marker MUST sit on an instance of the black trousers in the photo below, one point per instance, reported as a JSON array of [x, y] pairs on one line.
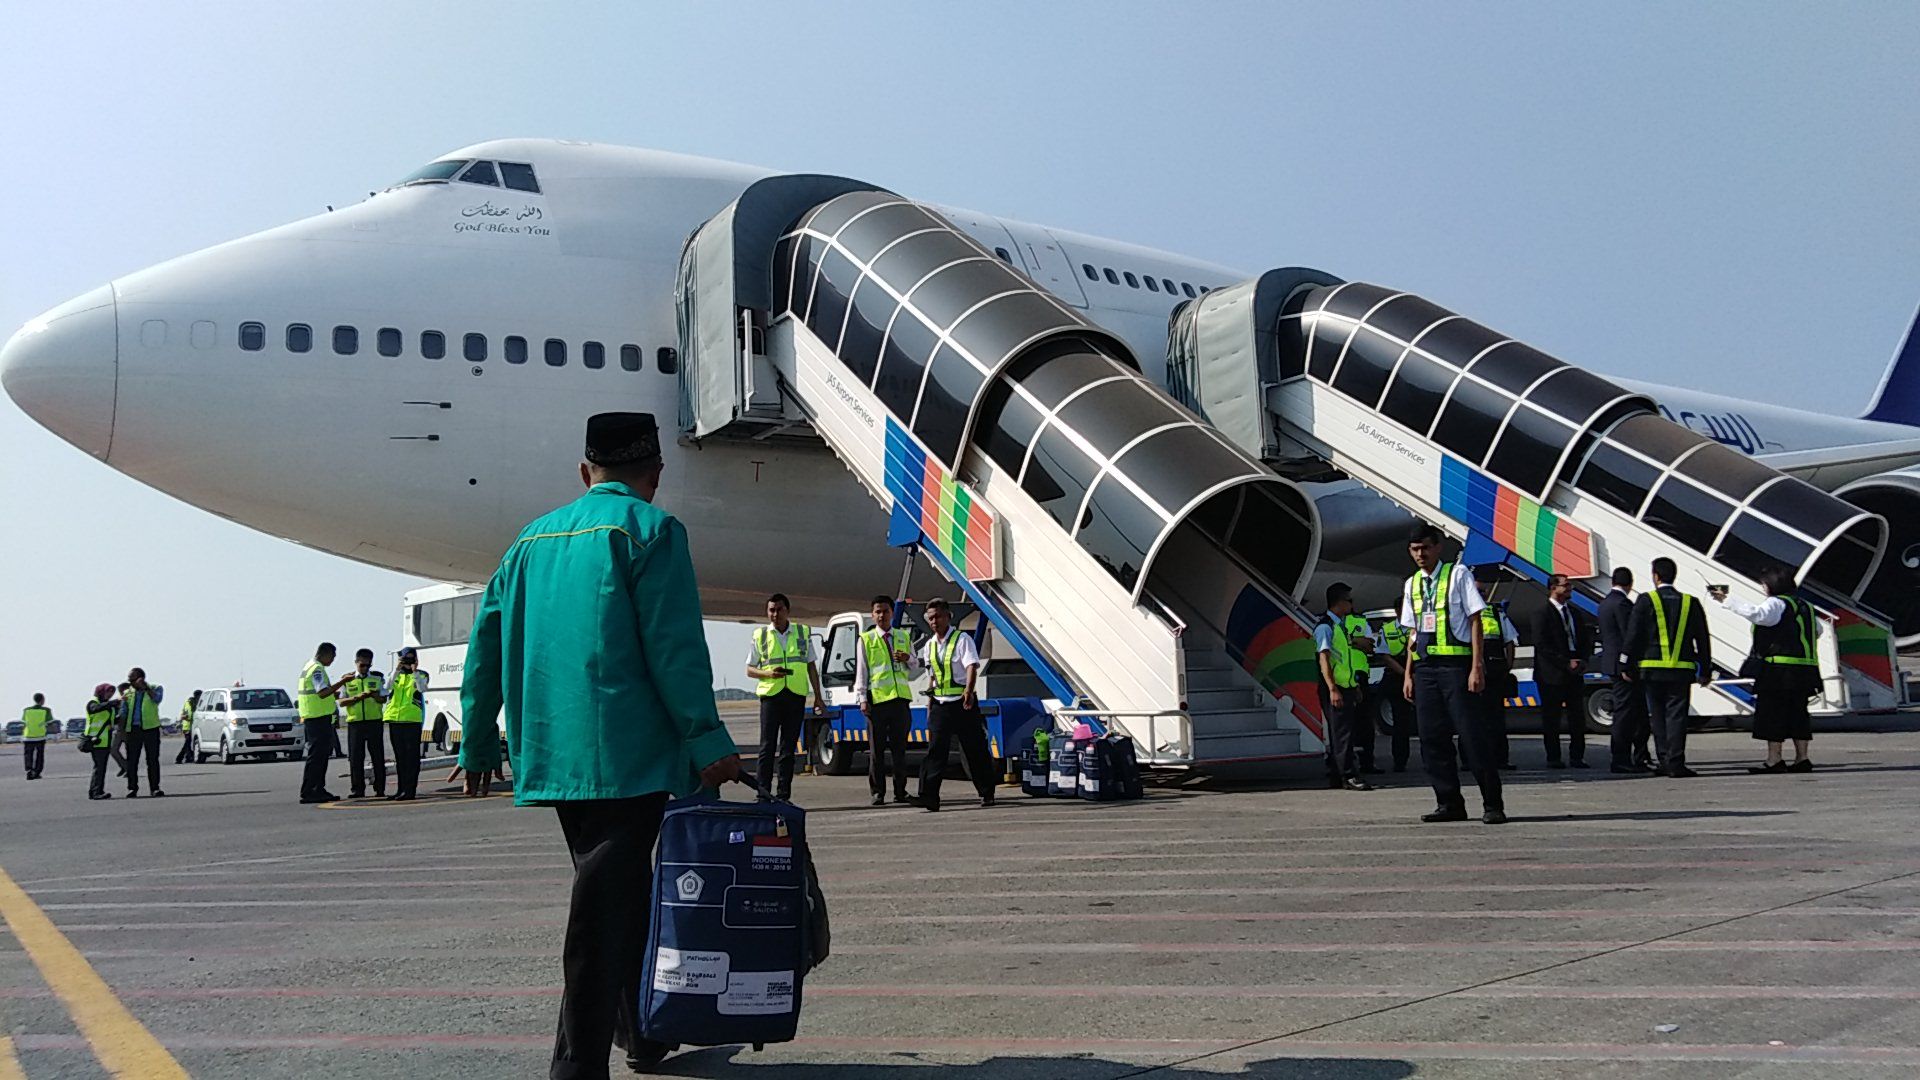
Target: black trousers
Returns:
[[318, 736], [1628, 743], [406, 757], [1341, 761], [1560, 705], [611, 841], [34, 753], [887, 724], [1667, 701], [781, 719], [1445, 710], [97, 785], [186, 748], [363, 740], [947, 721], [1403, 722], [1493, 701], [143, 742]]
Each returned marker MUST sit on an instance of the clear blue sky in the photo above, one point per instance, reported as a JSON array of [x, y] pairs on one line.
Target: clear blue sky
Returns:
[[1713, 196]]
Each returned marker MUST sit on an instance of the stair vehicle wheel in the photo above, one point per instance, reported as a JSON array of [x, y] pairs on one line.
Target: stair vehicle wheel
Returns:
[[1598, 707], [830, 757]]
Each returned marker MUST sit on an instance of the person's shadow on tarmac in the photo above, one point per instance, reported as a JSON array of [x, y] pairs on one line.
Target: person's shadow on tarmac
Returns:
[[734, 1061]]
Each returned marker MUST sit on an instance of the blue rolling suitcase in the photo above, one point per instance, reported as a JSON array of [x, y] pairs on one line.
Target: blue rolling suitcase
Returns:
[[738, 921], [1063, 770]]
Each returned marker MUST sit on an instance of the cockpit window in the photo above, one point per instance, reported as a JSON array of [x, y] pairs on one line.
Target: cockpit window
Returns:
[[439, 172], [519, 177], [480, 172]]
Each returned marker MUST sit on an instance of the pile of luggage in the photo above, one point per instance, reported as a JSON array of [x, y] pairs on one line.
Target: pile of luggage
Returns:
[[1091, 765]]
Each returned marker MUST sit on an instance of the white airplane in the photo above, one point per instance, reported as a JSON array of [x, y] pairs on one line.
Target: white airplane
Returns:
[[404, 381]]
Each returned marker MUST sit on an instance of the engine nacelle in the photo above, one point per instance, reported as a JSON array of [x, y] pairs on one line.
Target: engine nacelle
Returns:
[[1895, 589]]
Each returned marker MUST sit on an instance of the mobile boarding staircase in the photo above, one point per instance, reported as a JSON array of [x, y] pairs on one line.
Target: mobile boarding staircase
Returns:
[[1528, 461], [1117, 542]]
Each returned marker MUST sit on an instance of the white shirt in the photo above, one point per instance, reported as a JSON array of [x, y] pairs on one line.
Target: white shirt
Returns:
[[806, 646], [965, 655], [1464, 605], [1565, 616], [1767, 612], [910, 669]]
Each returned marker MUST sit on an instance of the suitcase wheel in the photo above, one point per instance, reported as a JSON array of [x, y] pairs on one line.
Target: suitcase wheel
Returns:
[[647, 1053]]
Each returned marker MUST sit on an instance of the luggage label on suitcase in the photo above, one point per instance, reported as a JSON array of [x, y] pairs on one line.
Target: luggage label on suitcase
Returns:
[[728, 935]]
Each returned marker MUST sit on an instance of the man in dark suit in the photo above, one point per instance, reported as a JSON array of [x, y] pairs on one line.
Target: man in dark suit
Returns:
[[1562, 642], [1667, 641], [1628, 701]]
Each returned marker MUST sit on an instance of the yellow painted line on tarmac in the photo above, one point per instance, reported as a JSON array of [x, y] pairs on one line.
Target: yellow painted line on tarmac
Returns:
[[125, 1048], [10, 1062]]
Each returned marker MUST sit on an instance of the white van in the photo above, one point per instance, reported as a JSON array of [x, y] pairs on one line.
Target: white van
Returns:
[[250, 721]]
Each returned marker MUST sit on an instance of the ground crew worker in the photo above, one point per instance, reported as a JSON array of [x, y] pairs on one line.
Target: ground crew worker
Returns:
[[607, 736], [118, 744], [1561, 647], [186, 728], [1499, 638], [35, 718], [315, 695], [365, 697], [1788, 668], [883, 685], [99, 739], [1446, 673], [404, 713], [1667, 642], [782, 659], [953, 709], [1360, 632], [1393, 654], [1343, 656], [143, 732]]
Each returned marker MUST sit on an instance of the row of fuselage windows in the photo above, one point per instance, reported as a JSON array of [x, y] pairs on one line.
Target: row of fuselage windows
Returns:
[[475, 348], [1132, 280], [1147, 281]]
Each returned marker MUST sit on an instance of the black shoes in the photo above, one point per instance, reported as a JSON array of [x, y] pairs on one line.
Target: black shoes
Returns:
[[901, 798], [1579, 764], [1556, 764], [1445, 813], [320, 797], [156, 793], [1356, 784], [1494, 817], [1680, 772], [405, 796], [133, 793], [986, 802], [878, 800], [1803, 765], [1776, 767], [98, 795]]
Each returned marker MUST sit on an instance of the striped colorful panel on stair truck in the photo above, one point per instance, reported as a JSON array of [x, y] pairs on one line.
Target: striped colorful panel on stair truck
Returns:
[[946, 515], [1865, 647], [1278, 652], [1515, 522]]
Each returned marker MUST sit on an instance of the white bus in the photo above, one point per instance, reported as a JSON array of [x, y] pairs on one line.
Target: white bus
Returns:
[[436, 620]]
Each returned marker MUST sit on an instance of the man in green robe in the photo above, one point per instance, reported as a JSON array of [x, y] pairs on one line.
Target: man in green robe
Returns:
[[589, 638]]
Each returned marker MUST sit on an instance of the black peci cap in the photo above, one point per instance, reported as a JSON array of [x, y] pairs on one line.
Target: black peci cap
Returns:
[[623, 438]]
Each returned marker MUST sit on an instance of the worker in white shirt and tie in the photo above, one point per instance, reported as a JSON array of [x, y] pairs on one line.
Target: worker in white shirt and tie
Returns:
[[953, 710], [883, 685]]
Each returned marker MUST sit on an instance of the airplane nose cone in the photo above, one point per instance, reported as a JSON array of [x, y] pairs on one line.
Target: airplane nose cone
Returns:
[[61, 368]]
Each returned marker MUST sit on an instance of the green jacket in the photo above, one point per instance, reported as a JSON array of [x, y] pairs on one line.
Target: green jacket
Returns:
[[589, 637]]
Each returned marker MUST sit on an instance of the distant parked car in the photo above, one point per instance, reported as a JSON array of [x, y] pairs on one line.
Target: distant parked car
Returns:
[[76, 727], [252, 721], [16, 730]]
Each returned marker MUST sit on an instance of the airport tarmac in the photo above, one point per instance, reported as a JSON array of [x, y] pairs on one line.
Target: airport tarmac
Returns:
[[1731, 925]]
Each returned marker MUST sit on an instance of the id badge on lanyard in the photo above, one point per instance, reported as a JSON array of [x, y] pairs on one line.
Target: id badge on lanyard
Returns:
[[1429, 624]]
